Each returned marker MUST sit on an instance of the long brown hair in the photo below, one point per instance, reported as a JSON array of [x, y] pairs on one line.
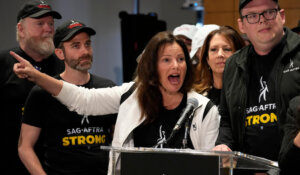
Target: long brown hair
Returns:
[[204, 78], [147, 77]]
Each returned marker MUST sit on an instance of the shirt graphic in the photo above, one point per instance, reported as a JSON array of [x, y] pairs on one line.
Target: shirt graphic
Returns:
[[85, 118], [162, 138], [291, 67], [291, 64], [263, 91], [261, 112]]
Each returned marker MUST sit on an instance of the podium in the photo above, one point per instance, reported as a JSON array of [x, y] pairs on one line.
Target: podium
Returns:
[[161, 161]]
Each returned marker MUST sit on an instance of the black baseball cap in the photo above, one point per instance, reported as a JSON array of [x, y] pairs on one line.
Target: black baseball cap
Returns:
[[243, 3], [37, 9], [68, 29]]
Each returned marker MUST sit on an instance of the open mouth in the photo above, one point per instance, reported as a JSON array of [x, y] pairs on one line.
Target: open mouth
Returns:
[[174, 79]]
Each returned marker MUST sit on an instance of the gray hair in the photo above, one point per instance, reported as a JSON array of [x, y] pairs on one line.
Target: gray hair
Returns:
[[17, 31]]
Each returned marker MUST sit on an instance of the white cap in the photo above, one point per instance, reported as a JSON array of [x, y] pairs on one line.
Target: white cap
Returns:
[[200, 36], [186, 30]]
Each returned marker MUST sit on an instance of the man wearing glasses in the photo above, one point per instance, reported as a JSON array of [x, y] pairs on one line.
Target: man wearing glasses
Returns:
[[259, 81]]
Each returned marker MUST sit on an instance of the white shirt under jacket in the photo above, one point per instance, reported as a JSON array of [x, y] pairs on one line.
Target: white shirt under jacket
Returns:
[[103, 101]]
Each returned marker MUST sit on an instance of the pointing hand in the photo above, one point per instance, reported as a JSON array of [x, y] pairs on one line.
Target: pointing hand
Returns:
[[23, 69]]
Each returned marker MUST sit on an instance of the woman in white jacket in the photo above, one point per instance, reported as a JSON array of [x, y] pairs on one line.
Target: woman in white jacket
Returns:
[[162, 89]]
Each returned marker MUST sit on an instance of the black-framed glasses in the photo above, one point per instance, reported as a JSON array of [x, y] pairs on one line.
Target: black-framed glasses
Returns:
[[254, 18]]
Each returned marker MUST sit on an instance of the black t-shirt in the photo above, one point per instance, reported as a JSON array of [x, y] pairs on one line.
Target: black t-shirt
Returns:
[[149, 135], [261, 121], [214, 95], [72, 142], [13, 93]]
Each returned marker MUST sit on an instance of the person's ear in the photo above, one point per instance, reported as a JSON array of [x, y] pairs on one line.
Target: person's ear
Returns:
[[20, 29], [241, 25], [59, 53], [282, 15]]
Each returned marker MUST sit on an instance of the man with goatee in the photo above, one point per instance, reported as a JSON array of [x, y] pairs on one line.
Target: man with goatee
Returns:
[[72, 142]]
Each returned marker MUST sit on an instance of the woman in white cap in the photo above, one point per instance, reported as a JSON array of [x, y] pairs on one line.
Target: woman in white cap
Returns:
[[186, 33], [198, 40]]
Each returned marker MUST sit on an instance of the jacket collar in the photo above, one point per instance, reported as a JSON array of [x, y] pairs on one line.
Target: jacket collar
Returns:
[[241, 60], [292, 44]]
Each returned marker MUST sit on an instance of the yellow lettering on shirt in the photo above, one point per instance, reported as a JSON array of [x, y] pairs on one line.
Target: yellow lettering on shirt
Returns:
[[265, 118], [255, 119], [66, 141], [273, 117], [260, 119], [83, 140]]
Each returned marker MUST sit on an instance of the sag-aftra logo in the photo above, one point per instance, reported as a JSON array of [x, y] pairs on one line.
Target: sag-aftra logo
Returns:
[[291, 67]]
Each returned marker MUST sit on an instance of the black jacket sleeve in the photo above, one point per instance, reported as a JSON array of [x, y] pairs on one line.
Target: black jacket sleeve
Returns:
[[225, 130], [289, 156]]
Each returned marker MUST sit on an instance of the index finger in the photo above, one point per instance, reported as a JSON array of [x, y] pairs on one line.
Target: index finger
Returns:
[[17, 57]]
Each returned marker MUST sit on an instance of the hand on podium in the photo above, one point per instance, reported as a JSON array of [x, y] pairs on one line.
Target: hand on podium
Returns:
[[221, 147]]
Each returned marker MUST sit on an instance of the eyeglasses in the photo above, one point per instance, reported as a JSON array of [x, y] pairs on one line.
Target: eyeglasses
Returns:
[[254, 18]]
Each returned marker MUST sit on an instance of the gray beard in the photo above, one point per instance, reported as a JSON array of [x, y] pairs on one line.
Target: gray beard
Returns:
[[44, 48]]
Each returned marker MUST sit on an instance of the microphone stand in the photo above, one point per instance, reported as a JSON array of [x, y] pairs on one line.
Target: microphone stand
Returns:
[[187, 129], [186, 133]]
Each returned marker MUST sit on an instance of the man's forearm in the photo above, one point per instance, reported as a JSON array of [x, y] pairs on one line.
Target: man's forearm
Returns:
[[31, 161]]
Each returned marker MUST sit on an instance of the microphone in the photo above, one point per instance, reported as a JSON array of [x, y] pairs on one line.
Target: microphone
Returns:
[[192, 103]]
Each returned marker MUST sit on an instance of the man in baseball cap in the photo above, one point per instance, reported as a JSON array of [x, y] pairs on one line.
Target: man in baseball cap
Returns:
[[74, 46], [264, 73], [34, 33]]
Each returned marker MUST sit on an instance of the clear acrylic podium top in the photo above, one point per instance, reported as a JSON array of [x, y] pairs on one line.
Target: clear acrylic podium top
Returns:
[[230, 160]]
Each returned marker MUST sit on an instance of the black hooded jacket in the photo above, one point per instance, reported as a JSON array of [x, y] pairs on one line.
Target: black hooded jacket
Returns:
[[235, 87]]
